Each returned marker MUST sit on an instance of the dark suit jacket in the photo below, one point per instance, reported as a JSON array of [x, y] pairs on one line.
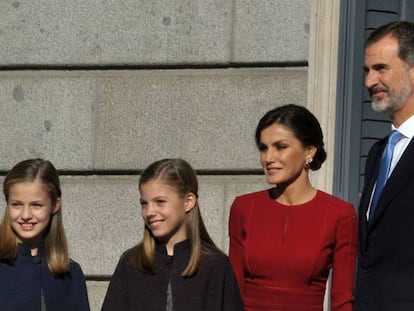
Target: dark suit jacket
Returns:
[[385, 277]]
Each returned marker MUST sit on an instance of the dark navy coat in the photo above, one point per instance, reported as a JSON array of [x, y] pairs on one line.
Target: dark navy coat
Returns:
[[23, 284]]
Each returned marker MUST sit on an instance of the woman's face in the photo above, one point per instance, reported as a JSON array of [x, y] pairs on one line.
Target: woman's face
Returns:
[[282, 155], [30, 210], [164, 211]]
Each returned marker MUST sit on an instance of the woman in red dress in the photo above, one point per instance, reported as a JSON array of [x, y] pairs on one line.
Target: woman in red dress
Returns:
[[284, 241]]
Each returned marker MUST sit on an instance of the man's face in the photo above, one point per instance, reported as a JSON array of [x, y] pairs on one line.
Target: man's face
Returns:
[[387, 76]]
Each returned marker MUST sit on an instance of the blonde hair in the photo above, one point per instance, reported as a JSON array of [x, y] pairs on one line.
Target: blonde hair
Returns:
[[55, 243], [181, 176]]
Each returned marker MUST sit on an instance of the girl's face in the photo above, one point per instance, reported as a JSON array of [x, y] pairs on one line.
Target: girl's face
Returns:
[[30, 210], [164, 211], [282, 155]]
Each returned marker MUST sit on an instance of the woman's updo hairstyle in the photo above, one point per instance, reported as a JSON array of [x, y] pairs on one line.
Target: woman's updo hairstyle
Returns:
[[302, 123]]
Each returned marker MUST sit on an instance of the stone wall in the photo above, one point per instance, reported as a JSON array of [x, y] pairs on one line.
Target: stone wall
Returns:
[[103, 88]]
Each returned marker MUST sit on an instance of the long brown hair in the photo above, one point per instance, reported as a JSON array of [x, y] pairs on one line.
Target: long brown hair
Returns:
[[178, 174], [55, 243]]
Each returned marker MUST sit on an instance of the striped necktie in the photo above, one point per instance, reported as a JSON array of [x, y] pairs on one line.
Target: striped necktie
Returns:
[[384, 170]]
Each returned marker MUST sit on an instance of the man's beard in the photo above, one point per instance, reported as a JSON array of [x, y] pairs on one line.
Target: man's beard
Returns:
[[395, 100]]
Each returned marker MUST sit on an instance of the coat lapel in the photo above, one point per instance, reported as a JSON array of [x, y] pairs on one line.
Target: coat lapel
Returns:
[[403, 171], [371, 173]]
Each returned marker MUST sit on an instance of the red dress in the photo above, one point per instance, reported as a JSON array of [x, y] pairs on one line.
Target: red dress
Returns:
[[282, 255]]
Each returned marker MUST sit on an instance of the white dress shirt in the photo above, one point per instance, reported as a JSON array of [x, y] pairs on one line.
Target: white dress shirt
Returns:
[[407, 129]]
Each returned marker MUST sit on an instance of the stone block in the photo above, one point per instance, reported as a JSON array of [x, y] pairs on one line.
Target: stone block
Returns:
[[153, 32], [207, 117], [102, 219], [125, 120], [111, 32], [271, 30], [47, 115], [211, 201], [96, 293]]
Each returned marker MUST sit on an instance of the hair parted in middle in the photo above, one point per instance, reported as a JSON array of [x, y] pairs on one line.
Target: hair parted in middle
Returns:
[[55, 243], [178, 174]]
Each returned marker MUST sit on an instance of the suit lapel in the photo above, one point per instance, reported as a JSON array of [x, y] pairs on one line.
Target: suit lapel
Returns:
[[371, 173], [403, 171]]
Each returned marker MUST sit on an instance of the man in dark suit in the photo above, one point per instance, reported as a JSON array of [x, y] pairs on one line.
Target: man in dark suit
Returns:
[[385, 277]]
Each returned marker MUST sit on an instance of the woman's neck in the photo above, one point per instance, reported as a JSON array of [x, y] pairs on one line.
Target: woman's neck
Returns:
[[295, 194]]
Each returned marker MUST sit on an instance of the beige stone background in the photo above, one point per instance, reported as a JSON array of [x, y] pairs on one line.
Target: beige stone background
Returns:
[[103, 88]]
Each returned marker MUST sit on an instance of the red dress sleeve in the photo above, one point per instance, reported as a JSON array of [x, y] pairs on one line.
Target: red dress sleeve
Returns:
[[236, 242], [344, 262]]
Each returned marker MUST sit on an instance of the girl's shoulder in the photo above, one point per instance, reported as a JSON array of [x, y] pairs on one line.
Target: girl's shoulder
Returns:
[[215, 257], [129, 255], [75, 269]]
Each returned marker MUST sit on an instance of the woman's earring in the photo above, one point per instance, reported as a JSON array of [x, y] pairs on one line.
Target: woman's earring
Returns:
[[308, 161]]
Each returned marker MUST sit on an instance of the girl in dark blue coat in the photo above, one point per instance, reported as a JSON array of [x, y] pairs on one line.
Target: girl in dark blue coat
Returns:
[[36, 272]]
